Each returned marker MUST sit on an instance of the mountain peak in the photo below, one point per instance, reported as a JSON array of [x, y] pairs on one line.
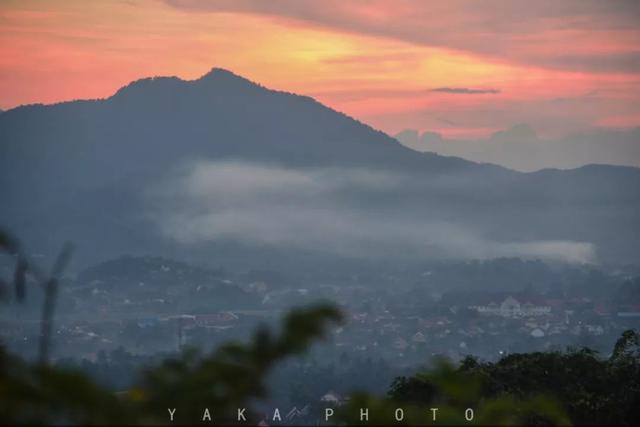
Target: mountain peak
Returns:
[[217, 72], [226, 78], [216, 80]]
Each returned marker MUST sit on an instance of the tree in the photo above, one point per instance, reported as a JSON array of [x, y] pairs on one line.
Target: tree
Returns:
[[589, 389], [452, 392], [228, 378]]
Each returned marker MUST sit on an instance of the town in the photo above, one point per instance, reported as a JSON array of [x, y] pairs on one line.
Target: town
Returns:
[[119, 315]]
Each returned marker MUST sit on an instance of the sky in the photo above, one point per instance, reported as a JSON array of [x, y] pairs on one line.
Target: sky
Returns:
[[463, 69]]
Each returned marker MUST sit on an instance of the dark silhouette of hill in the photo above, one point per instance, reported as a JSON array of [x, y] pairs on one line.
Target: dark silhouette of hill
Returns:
[[84, 170]]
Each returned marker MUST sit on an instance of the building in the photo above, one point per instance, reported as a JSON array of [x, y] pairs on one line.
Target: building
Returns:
[[511, 307], [215, 319]]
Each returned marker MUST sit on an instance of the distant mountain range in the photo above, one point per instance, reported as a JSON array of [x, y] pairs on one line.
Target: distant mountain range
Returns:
[[520, 148], [225, 170]]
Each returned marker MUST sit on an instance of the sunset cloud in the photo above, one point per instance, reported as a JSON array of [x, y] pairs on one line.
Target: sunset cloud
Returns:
[[529, 32], [465, 91], [393, 64]]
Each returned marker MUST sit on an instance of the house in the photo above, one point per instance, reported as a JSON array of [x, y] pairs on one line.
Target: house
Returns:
[[332, 398], [629, 314], [257, 287], [629, 311], [184, 321], [537, 333], [359, 317], [215, 319], [434, 322], [147, 322], [595, 329], [602, 309], [418, 338], [400, 344]]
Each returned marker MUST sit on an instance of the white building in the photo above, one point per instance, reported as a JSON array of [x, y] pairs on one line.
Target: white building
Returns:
[[511, 307]]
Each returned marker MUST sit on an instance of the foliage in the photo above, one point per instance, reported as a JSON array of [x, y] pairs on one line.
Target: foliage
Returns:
[[227, 379], [40, 394], [451, 391], [592, 390]]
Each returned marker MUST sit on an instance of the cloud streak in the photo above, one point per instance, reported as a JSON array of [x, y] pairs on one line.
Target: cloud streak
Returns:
[[332, 210], [518, 30], [465, 91]]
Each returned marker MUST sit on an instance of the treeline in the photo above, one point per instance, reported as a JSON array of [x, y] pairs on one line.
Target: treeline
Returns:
[[593, 390]]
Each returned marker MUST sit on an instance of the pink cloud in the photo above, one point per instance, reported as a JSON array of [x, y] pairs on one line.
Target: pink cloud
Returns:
[[549, 33]]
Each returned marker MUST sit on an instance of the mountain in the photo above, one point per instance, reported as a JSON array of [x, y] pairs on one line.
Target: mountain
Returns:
[[221, 167]]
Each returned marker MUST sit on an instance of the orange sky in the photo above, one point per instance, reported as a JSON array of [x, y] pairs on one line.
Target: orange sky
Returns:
[[451, 67]]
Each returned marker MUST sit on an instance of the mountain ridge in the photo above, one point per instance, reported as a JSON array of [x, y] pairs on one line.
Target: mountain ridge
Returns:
[[520, 148], [98, 161], [222, 77]]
